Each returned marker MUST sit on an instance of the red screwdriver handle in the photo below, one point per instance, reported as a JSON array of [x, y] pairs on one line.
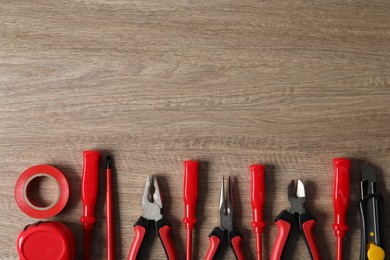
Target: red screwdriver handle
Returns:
[[257, 196], [89, 187], [190, 195], [281, 239], [190, 192], [165, 236], [341, 195], [257, 199]]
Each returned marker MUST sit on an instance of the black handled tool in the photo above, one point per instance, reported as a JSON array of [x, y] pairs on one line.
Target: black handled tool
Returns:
[[371, 207]]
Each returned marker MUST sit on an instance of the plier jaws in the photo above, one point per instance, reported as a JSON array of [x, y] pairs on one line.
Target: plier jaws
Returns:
[[226, 207], [151, 199], [296, 197]]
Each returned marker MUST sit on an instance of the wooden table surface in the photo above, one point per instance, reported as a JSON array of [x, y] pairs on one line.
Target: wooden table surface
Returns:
[[289, 84]]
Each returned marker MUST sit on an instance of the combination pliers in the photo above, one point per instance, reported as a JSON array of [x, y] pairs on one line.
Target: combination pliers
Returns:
[[152, 219]]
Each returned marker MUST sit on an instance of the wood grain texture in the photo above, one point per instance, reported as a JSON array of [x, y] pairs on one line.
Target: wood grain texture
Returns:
[[291, 84]]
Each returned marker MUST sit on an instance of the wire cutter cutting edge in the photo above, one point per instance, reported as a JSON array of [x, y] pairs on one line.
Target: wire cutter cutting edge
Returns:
[[296, 214], [225, 233], [152, 217]]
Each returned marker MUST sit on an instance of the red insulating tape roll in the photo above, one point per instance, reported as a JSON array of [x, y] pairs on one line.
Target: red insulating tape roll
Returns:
[[21, 189]]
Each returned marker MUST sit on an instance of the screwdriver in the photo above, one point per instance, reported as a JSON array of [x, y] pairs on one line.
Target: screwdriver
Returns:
[[190, 194], [257, 198], [89, 188], [341, 168], [109, 213]]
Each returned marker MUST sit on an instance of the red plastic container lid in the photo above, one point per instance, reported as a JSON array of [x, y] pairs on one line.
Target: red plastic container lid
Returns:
[[46, 241]]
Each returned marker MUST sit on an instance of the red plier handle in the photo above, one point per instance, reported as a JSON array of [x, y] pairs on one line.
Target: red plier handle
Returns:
[[307, 223], [234, 238], [163, 229], [284, 221]]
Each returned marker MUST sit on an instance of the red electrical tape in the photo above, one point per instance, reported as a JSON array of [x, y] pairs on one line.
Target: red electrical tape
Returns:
[[21, 189]]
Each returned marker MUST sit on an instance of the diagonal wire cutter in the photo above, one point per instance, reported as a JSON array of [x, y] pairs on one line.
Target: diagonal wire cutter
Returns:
[[296, 214], [225, 234], [152, 219]]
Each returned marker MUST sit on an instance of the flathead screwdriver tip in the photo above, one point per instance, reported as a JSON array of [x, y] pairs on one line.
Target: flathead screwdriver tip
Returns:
[[108, 162]]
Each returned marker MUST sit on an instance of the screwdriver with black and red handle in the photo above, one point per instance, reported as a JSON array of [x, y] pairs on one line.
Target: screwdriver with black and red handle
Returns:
[[341, 195]]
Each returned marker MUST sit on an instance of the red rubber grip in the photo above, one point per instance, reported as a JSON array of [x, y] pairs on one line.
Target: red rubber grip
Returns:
[[139, 233], [167, 242], [214, 243], [281, 238], [341, 195], [190, 193], [308, 231], [257, 197], [237, 246], [89, 187]]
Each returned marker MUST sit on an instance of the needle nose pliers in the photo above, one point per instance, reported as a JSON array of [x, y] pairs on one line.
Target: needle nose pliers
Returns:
[[152, 219], [296, 214], [225, 234]]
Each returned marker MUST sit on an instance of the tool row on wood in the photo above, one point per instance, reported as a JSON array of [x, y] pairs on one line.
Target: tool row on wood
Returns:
[[53, 240]]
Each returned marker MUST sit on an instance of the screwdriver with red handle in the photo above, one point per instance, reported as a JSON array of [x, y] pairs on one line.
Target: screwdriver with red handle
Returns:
[[109, 211], [257, 199], [190, 194], [89, 189], [341, 167]]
